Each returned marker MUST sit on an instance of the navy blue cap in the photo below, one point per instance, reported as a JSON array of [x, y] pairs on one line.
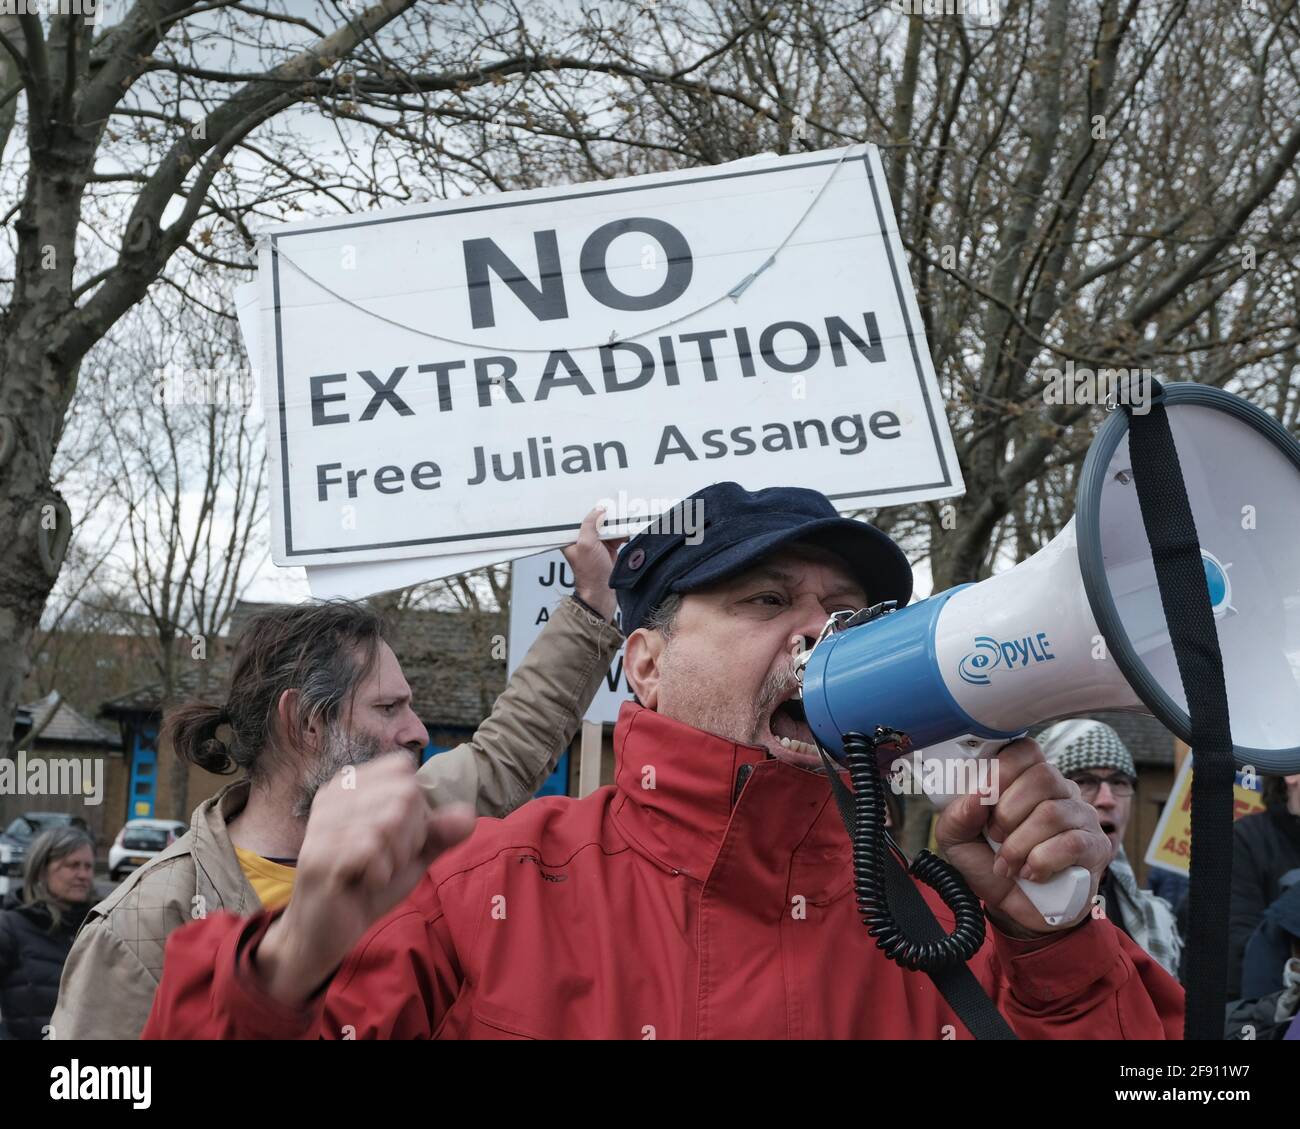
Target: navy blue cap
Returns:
[[733, 529]]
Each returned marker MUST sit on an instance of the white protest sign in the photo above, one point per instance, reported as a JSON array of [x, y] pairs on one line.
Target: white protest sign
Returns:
[[537, 585], [355, 581], [476, 375], [248, 314]]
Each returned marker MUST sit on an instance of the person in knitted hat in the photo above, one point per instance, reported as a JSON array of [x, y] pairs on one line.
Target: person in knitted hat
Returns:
[[1092, 755]]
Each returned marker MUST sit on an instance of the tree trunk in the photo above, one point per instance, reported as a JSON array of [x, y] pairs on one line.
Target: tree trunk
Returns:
[[32, 513]]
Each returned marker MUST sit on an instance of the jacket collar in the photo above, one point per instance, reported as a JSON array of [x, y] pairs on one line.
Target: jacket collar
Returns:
[[679, 788], [219, 879]]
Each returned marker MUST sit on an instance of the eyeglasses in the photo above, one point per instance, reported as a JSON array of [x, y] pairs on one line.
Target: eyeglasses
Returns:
[[1121, 787]]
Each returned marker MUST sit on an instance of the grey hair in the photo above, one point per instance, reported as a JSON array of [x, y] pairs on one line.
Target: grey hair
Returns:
[[663, 619], [50, 846], [663, 616]]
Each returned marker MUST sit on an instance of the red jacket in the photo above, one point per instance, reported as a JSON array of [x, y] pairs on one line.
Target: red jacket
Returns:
[[678, 903]]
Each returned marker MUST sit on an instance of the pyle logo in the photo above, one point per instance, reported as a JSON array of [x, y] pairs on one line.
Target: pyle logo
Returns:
[[989, 654]]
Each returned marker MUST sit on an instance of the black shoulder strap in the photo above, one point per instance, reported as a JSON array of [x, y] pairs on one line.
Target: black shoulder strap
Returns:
[[957, 985], [1184, 596]]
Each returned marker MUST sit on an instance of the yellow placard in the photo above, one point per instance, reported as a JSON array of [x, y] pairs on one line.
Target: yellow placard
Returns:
[[1171, 845]]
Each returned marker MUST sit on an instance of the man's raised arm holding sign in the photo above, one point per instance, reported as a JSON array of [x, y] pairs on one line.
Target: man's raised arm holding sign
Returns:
[[535, 718]]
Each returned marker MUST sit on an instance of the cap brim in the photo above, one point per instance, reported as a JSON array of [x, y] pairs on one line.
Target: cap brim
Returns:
[[877, 564]]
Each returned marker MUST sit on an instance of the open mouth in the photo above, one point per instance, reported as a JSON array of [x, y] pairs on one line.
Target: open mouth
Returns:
[[789, 727], [1107, 827]]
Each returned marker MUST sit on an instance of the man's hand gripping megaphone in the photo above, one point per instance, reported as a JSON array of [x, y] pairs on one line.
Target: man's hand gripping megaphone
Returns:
[[1029, 847]]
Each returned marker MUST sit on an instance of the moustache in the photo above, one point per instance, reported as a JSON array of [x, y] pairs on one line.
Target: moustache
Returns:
[[777, 686]]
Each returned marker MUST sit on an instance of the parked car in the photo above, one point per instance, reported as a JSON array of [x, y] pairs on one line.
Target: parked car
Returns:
[[17, 837], [138, 842]]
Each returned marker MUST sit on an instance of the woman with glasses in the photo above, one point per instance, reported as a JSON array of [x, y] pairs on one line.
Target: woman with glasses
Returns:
[[1092, 755]]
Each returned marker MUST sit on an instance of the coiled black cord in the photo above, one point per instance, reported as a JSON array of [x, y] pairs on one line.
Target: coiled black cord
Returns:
[[869, 839]]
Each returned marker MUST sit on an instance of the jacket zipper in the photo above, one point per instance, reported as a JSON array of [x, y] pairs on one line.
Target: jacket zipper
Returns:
[[742, 775]]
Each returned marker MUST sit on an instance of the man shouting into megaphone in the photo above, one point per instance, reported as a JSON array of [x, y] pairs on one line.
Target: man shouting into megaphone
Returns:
[[708, 893]]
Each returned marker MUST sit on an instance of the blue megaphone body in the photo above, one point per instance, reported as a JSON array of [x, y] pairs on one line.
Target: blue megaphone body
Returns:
[[1079, 626]]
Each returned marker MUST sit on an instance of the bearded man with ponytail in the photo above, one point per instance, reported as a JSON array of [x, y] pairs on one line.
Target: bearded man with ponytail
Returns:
[[315, 689]]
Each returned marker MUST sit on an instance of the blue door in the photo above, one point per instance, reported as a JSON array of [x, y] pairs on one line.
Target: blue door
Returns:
[[557, 784], [143, 796]]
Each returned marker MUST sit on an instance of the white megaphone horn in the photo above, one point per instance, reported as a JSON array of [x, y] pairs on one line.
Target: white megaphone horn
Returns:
[[1079, 627]]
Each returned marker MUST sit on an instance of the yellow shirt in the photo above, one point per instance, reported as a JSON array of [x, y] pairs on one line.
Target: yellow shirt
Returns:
[[271, 881]]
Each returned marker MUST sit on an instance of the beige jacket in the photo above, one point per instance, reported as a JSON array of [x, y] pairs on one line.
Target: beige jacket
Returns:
[[113, 970]]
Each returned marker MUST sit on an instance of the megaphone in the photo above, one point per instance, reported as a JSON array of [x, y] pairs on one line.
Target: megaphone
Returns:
[[1079, 626]]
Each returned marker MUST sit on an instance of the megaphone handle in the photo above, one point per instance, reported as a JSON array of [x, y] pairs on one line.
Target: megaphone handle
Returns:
[[1060, 898]]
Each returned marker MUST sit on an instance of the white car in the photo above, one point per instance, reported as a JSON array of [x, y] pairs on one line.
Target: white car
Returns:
[[138, 842]]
